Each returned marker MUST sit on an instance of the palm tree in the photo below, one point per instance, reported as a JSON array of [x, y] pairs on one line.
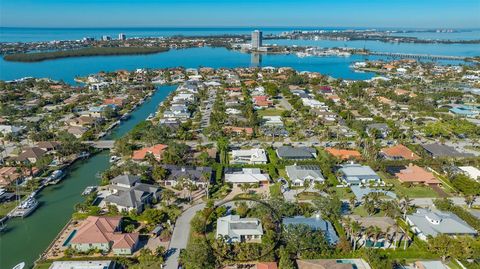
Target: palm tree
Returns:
[[405, 205], [353, 201], [469, 200], [356, 231], [376, 233]]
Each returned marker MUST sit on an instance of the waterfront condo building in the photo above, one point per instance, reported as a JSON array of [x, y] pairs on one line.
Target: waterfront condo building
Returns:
[[256, 39]]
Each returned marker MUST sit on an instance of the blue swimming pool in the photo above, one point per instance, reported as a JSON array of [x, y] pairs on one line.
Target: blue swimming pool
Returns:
[[70, 236]]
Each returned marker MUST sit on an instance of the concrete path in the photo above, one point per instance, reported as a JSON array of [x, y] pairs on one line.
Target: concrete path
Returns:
[[180, 236]]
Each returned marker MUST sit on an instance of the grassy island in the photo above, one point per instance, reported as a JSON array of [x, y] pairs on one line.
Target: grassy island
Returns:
[[110, 51]]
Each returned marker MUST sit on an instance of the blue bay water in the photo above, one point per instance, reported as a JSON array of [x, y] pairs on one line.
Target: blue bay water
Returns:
[[67, 69]]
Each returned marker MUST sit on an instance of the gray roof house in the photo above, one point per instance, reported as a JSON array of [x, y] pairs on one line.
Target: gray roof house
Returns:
[[382, 129], [436, 150], [127, 193], [235, 229], [427, 222], [298, 174], [197, 175], [357, 174], [298, 153], [315, 223]]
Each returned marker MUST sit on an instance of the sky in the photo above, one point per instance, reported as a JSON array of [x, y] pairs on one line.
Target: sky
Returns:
[[216, 13]]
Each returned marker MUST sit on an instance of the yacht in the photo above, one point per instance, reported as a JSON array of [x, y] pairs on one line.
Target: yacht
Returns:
[[26, 207], [55, 177]]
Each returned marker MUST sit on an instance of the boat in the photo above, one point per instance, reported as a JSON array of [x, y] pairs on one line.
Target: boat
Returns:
[[25, 208], [89, 190], [84, 154], [150, 117], [125, 116], [19, 266], [55, 177], [114, 159]]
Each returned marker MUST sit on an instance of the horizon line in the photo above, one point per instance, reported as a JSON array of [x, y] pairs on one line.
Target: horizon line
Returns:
[[238, 27]]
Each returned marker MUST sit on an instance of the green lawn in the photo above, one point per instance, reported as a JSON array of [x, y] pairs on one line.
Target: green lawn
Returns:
[[307, 195], [416, 191], [5, 208], [360, 210], [270, 112], [275, 191], [342, 193], [44, 265]]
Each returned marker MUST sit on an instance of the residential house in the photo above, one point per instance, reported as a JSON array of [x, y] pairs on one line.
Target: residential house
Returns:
[[77, 131], [357, 174], [436, 150], [344, 154], [156, 151], [428, 222], [296, 153], [417, 175], [429, 265], [315, 223], [31, 155], [48, 145], [266, 265], [385, 224], [471, 171], [262, 101], [9, 175], [238, 176], [380, 130], [197, 175], [299, 174], [313, 103], [398, 152], [104, 234], [82, 265], [10, 129], [235, 229], [238, 130], [333, 264], [128, 193], [249, 156]]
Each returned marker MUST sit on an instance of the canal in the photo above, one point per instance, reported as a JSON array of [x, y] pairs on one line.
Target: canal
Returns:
[[25, 239]]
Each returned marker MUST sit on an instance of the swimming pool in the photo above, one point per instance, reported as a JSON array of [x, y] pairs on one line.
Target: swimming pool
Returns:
[[67, 241]]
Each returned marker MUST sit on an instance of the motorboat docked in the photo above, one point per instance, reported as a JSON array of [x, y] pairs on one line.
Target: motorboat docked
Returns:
[[55, 177], [84, 154], [89, 190], [151, 116], [25, 208], [114, 159]]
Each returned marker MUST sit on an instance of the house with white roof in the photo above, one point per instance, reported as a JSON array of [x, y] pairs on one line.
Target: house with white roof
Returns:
[[239, 176], [357, 174], [235, 229], [249, 156], [313, 103], [426, 222], [471, 171], [299, 174]]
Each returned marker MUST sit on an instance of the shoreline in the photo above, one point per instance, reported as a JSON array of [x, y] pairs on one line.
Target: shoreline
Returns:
[[85, 52]]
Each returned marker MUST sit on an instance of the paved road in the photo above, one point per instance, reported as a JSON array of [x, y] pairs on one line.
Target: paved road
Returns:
[[180, 236], [429, 201]]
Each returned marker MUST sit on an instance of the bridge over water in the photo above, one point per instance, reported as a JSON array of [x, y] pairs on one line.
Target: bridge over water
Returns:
[[417, 56], [101, 144]]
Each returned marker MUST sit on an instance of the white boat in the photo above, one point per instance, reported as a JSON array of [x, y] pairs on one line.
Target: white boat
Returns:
[[25, 208], [83, 154], [150, 117], [114, 159], [89, 190], [55, 177], [19, 266]]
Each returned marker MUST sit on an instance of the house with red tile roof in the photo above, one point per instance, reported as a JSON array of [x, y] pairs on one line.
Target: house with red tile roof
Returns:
[[117, 101], [398, 152], [262, 101], [344, 154], [417, 175], [156, 151], [267, 265], [238, 130], [104, 233]]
